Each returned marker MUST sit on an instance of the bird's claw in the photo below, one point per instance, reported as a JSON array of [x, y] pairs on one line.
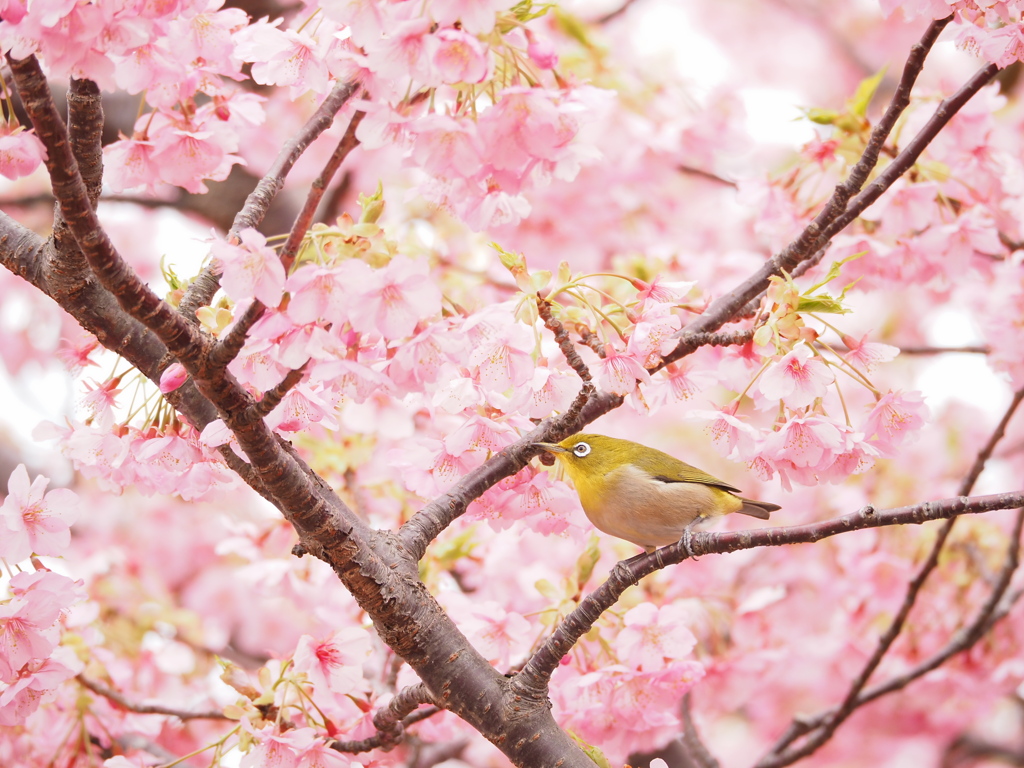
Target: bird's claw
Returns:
[[687, 542]]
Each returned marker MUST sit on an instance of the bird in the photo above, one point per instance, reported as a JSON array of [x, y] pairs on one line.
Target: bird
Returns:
[[644, 495]]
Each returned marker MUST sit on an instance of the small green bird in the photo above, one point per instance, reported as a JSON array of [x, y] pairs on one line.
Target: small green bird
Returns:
[[643, 495]]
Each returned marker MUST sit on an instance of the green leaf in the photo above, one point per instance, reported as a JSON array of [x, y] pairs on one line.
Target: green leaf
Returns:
[[821, 116], [821, 303], [865, 92], [833, 270]]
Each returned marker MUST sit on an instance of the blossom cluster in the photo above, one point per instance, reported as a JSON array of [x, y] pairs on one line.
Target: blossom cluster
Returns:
[[33, 663]]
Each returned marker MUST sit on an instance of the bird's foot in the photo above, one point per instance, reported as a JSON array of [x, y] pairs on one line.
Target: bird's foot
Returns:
[[687, 541]]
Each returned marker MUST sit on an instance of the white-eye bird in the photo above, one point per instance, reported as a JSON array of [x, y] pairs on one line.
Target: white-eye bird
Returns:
[[643, 495]]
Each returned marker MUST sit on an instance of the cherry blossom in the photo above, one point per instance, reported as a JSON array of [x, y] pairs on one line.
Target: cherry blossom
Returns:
[[251, 268], [37, 520]]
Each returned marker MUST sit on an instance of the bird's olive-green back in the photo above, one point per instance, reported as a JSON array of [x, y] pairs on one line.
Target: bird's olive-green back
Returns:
[[609, 453]]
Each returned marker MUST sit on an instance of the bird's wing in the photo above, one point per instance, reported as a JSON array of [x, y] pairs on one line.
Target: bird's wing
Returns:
[[687, 474]]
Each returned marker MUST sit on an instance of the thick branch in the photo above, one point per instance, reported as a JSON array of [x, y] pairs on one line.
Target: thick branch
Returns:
[[113, 272], [535, 675]]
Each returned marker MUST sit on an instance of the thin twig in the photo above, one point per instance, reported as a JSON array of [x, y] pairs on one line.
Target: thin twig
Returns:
[[227, 349], [975, 350], [203, 288], [147, 709], [819, 231], [780, 754], [392, 721], [534, 678]]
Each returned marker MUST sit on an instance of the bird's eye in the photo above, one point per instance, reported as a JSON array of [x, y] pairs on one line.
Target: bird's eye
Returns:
[[581, 449]]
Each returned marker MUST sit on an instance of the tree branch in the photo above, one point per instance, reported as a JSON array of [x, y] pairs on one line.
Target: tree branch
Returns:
[[824, 724], [201, 291], [376, 742], [824, 226], [534, 677], [113, 272], [226, 349], [147, 709], [779, 754]]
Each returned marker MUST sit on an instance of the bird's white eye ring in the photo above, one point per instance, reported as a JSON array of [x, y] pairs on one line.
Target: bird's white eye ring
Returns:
[[581, 449]]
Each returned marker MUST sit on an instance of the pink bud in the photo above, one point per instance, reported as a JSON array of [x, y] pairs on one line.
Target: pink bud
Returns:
[[172, 377], [541, 52]]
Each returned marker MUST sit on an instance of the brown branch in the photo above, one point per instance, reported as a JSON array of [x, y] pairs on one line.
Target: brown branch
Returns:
[[616, 13], [85, 129], [376, 741], [113, 272], [273, 397], [695, 749], [819, 231], [780, 754], [978, 350], [228, 348], [147, 709], [571, 356], [535, 675], [700, 173], [201, 291], [988, 614]]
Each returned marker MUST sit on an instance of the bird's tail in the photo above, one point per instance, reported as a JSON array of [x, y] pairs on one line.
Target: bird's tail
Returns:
[[759, 509]]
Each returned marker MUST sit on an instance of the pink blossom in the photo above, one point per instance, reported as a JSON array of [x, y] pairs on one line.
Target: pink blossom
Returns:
[[100, 399], [652, 636], [476, 16], [402, 51], [35, 684], [285, 57], [26, 633], [423, 359], [500, 352], [395, 298], [318, 293], [651, 337], [277, 749], [498, 634], [620, 372], [173, 377], [183, 157], [334, 664], [76, 352], [524, 126], [1002, 46], [37, 521], [549, 390], [868, 354], [250, 269], [21, 151], [459, 57], [490, 206], [663, 291], [131, 165], [797, 379], [732, 436], [301, 407], [894, 418], [446, 146]]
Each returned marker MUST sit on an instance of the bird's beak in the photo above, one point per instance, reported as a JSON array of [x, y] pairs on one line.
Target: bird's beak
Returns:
[[551, 447]]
